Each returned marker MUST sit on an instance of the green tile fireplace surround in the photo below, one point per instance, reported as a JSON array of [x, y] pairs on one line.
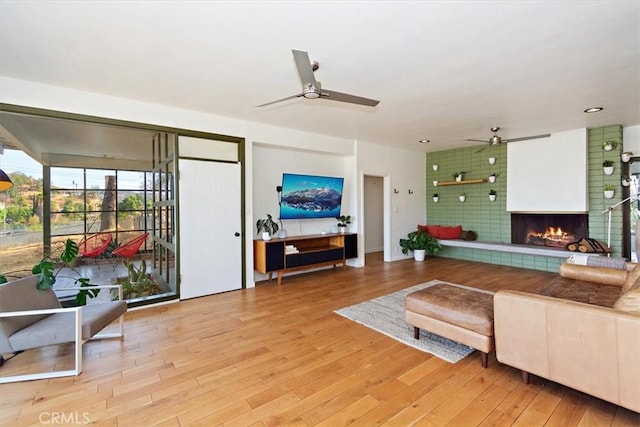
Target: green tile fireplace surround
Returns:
[[492, 222]]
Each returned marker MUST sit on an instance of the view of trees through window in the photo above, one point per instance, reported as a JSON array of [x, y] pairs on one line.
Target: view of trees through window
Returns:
[[99, 200], [82, 202]]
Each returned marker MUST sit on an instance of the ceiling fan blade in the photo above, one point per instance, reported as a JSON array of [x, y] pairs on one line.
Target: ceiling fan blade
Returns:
[[352, 99], [476, 140], [280, 100], [524, 138], [305, 71]]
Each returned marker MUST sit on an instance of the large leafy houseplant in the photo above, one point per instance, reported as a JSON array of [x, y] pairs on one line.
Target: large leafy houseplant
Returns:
[[420, 240], [46, 270]]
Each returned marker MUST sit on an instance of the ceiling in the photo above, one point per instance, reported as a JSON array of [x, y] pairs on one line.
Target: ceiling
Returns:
[[443, 70]]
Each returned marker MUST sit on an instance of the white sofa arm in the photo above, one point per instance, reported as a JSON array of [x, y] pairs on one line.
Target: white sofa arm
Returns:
[[39, 312], [592, 349]]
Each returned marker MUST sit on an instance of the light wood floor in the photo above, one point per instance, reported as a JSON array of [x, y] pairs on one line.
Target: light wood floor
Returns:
[[280, 356]]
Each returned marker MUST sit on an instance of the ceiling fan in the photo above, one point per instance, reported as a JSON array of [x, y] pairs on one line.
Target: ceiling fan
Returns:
[[311, 88], [495, 139]]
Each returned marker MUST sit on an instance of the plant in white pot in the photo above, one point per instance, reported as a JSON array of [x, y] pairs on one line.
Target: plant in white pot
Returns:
[[420, 243], [626, 156], [609, 191], [462, 197], [626, 181], [458, 176], [343, 222], [436, 197], [267, 226], [607, 167], [492, 177], [492, 195], [609, 145]]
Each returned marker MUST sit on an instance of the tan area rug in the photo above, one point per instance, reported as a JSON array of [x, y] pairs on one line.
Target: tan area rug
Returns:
[[385, 314]]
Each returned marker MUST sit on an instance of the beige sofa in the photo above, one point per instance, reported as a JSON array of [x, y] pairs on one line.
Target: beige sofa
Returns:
[[579, 332]]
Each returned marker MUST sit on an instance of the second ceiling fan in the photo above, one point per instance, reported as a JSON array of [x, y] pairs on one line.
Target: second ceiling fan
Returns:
[[311, 88], [495, 139]]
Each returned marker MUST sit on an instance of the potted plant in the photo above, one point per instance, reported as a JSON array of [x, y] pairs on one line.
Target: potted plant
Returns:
[[420, 243], [626, 181], [492, 195], [626, 156], [609, 191], [607, 167], [343, 222], [436, 197], [46, 269], [492, 177], [458, 176], [435, 183], [609, 145], [492, 160], [267, 226], [138, 282], [462, 197]]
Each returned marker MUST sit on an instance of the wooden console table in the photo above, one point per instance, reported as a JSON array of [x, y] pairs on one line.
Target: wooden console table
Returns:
[[312, 251]]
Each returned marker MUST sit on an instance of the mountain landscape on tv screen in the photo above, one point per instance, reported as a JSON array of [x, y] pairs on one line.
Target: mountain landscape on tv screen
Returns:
[[313, 199]]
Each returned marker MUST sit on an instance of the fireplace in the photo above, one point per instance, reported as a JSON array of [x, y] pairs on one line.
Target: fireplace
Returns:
[[550, 230]]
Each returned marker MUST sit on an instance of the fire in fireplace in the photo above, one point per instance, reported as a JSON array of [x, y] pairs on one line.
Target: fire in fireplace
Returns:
[[551, 230]]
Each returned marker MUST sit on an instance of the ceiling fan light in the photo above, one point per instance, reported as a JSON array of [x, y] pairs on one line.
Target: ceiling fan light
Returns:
[[311, 94]]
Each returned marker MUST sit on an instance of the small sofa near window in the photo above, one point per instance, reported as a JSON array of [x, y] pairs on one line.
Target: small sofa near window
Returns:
[[574, 333], [32, 318]]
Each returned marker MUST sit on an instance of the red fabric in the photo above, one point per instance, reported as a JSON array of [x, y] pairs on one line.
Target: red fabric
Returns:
[[450, 232], [441, 231]]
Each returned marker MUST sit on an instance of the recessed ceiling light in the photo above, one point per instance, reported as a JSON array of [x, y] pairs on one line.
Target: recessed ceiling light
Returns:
[[424, 141], [594, 110]]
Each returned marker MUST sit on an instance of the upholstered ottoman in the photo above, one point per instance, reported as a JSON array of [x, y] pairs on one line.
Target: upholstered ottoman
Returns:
[[458, 313]]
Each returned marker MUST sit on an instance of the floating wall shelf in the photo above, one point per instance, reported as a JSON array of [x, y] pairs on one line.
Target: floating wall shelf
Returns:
[[466, 181]]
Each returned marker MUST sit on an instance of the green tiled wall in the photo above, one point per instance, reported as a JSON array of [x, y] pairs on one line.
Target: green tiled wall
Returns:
[[491, 221]]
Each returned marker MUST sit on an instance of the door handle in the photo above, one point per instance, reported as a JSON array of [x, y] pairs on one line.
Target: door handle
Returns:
[[236, 234]]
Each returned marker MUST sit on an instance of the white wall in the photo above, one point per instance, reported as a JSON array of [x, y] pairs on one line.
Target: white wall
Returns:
[[403, 170], [548, 174], [631, 139], [271, 162]]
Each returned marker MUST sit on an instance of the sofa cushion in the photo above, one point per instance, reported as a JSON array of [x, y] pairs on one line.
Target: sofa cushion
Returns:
[[629, 301], [22, 294], [582, 291], [633, 279]]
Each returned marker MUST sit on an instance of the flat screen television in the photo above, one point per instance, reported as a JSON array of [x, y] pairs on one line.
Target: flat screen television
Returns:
[[310, 196]]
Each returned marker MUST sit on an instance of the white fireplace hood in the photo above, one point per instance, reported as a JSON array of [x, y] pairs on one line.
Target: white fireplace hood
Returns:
[[548, 174]]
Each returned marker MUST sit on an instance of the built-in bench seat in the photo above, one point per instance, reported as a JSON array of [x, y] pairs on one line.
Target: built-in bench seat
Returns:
[[507, 247]]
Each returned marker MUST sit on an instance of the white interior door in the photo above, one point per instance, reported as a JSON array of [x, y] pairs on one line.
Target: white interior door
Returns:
[[210, 225]]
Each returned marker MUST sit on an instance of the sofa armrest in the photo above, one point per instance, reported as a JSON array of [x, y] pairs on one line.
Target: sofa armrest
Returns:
[[39, 312], [592, 349]]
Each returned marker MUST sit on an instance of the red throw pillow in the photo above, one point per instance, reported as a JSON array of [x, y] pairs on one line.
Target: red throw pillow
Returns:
[[433, 230], [450, 232]]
